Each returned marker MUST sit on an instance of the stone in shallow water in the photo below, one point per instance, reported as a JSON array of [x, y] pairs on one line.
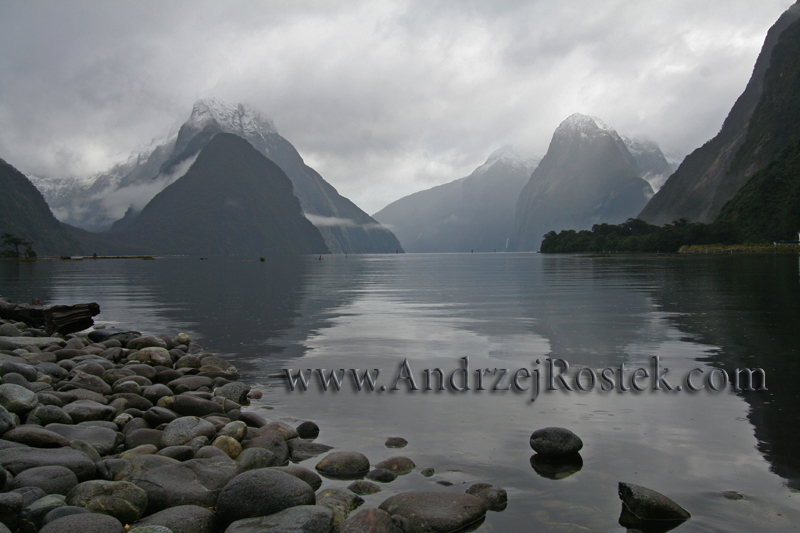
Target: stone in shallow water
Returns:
[[556, 467], [300, 450], [363, 487], [308, 430], [313, 480], [300, 519], [396, 442], [399, 465], [382, 475], [440, 512], [343, 465], [647, 509], [496, 499], [261, 492], [555, 441], [372, 520], [340, 501]]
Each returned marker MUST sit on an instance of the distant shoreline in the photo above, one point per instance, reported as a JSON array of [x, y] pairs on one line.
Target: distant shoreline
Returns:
[[738, 248]]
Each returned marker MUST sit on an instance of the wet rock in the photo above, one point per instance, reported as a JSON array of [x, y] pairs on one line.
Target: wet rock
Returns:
[[138, 465], [35, 436], [271, 442], [555, 441], [90, 382], [27, 371], [132, 401], [308, 430], [261, 492], [54, 479], [16, 399], [32, 517], [179, 453], [362, 487], [123, 500], [229, 445], [190, 383], [84, 523], [396, 442], [144, 449], [304, 474], [647, 509], [235, 430], [188, 405], [6, 421], [399, 465], [253, 458], [300, 450], [182, 519], [150, 529], [207, 452], [154, 393], [61, 512], [299, 519], [126, 387], [341, 502], [82, 410], [12, 503], [496, 499], [371, 521], [102, 439], [236, 391], [441, 512], [253, 419], [49, 414], [184, 429], [194, 482], [153, 356], [16, 379], [382, 475], [343, 465], [427, 472], [145, 342], [156, 416], [138, 437]]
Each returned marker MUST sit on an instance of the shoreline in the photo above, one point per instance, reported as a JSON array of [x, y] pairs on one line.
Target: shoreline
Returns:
[[108, 430]]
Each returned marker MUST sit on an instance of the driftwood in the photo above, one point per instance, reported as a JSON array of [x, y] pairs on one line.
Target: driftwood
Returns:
[[62, 319]]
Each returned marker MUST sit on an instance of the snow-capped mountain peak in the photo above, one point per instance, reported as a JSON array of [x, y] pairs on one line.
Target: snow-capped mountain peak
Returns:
[[508, 156], [582, 124], [239, 119]]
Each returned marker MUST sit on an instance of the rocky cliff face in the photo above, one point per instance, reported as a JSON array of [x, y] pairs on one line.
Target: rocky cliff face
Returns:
[[751, 136]]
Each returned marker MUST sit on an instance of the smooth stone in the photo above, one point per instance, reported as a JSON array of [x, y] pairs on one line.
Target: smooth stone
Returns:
[[261, 492], [193, 482], [142, 436], [382, 475], [235, 430], [363, 487], [150, 529], [184, 429], [102, 439], [145, 342], [153, 356], [82, 410], [53, 479], [396, 442], [253, 458], [132, 400], [206, 452], [117, 375], [179, 453], [49, 414], [341, 501], [496, 499], [6, 421], [555, 441], [182, 338], [32, 517], [74, 395], [35, 436], [304, 474], [84, 523], [158, 415], [16, 399], [229, 445], [138, 465], [19, 459], [300, 450], [9, 330], [253, 419], [121, 499], [188, 361], [272, 442], [51, 369], [236, 391], [127, 387], [182, 519], [27, 371], [144, 449], [280, 428], [39, 342], [441, 512], [91, 382], [12, 503], [646, 505], [399, 465], [188, 405], [16, 379], [61, 512], [427, 472], [371, 521], [308, 430], [189, 383], [299, 519], [343, 465], [155, 392]]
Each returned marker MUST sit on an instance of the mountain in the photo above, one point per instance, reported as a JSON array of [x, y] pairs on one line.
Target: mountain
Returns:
[[119, 194], [587, 177], [767, 208], [232, 200], [762, 122], [472, 213], [24, 213], [653, 166]]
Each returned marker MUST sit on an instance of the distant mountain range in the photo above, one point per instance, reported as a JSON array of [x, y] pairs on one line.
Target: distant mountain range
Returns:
[[763, 121], [471, 213], [588, 176], [114, 198]]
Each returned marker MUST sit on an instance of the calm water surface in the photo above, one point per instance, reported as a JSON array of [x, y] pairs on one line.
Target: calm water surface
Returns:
[[501, 311]]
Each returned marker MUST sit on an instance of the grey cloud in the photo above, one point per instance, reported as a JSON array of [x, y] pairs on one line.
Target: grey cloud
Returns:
[[382, 98]]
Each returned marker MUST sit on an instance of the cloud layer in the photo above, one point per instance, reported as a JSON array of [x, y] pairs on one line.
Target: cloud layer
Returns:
[[383, 98]]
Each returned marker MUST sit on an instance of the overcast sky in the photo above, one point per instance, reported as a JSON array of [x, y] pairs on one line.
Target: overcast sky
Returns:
[[383, 98]]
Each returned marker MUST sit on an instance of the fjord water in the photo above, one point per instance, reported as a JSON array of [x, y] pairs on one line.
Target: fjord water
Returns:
[[501, 311]]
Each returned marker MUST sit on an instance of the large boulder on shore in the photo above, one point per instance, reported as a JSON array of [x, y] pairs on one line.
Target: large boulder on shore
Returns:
[[300, 519], [262, 492], [440, 512], [343, 465], [123, 500], [555, 442], [55, 479], [371, 520]]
